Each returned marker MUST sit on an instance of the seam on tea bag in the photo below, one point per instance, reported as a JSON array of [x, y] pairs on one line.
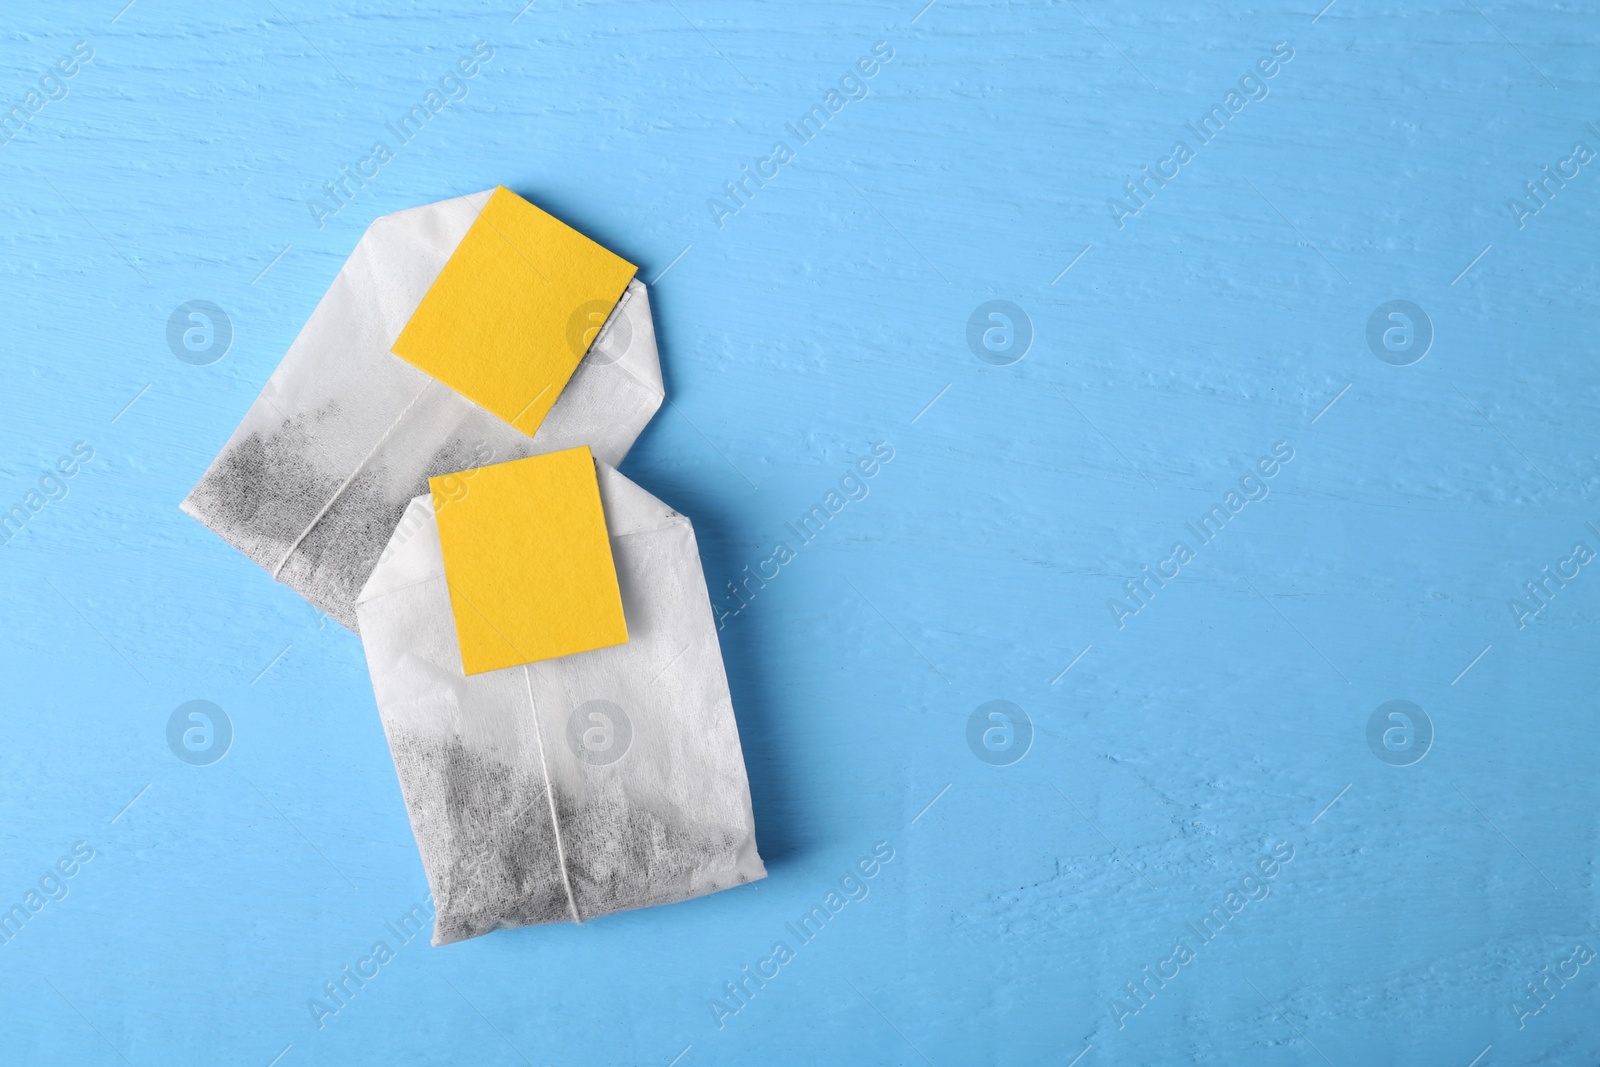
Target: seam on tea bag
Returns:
[[627, 295], [550, 795], [294, 546]]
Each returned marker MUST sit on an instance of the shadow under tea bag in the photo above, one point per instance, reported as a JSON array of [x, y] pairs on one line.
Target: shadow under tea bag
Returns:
[[491, 305], [561, 789]]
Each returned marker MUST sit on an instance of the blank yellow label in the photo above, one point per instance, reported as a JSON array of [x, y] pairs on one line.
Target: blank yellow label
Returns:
[[528, 560], [512, 313]]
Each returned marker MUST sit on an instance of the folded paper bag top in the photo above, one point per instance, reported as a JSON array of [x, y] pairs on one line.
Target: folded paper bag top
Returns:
[[564, 789], [345, 432], [528, 560]]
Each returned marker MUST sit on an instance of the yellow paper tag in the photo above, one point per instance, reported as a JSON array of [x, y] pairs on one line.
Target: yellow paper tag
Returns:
[[514, 310], [528, 560]]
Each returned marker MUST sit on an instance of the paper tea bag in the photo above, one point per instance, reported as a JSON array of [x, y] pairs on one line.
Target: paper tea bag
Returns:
[[563, 789], [345, 432]]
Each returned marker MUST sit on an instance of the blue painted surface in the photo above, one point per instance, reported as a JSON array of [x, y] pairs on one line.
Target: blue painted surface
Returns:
[[1227, 718]]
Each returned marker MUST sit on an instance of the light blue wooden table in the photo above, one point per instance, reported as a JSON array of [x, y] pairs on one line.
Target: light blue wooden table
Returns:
[[1233, 374]]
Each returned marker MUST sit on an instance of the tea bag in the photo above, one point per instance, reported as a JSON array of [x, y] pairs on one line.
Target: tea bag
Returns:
[[568, 788], [344, 433]]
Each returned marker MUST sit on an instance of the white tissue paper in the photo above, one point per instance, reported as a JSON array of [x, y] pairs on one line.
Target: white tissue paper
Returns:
[[562, 790], [344, 433]]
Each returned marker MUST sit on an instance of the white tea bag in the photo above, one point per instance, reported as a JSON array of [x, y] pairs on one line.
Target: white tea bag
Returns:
[[561, 790], [344, 433]]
